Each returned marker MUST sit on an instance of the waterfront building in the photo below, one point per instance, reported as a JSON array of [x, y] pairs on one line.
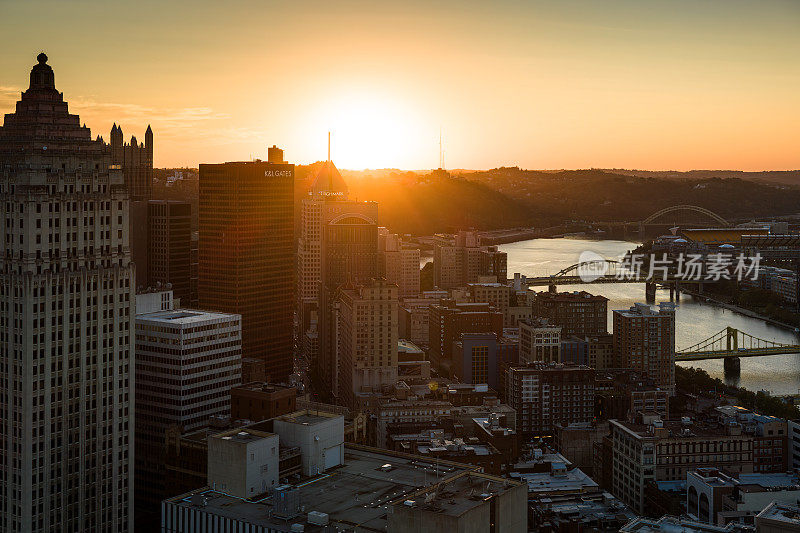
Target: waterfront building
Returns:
[[578, 313], [644, 339]]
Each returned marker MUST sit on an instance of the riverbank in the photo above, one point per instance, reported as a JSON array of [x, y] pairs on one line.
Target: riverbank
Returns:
[[514, 235], [738, 309]]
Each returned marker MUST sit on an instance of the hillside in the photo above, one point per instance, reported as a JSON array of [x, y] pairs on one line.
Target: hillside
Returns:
[[411, 203], [604, 196]]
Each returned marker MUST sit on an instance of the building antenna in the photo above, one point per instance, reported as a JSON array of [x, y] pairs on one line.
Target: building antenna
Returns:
[[329, 145], [441, 154]]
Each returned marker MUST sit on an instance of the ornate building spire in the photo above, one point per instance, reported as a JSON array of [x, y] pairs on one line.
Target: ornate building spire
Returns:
[[42, 77]]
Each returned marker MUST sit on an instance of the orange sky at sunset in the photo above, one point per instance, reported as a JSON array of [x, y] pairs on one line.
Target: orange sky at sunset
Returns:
[[572, 84]]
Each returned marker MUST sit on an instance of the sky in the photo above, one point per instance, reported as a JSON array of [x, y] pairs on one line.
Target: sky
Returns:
[[646, 84]]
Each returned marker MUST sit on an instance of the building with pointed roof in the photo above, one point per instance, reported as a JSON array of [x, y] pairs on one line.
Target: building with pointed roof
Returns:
[[66, 293], [338, 243]]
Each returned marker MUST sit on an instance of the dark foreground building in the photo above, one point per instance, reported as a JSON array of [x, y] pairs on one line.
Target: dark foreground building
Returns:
[[66, 311], [246, 256]]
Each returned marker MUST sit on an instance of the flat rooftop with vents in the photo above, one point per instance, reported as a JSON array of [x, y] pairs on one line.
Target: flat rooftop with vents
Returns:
[[359, 492]]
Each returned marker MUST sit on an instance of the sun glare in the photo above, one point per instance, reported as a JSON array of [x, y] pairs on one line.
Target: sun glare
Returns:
[[369, 131]]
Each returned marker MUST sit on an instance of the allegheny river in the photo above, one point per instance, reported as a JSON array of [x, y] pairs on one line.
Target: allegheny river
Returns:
[[696, 320]]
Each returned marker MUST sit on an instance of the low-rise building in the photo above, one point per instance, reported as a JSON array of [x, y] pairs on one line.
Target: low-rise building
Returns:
[[414, 316], [539, 340], [712, 495], [596, 512], [479, 358], [558, 480], [319, 435], [576, 442], [624, 393], [243, 462], [770, 437], [673, 524], [448, 321], [667, 450], [407, 411], [778, 518], [411, 361], [261, 401], [379, 491]]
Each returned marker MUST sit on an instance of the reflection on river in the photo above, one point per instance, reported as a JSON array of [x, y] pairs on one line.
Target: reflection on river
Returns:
[[779, 374]]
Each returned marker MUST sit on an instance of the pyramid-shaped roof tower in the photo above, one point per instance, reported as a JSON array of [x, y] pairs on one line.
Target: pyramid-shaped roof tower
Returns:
[[329, 181]]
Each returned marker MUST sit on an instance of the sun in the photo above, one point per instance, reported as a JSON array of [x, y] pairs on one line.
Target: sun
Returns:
[[370, 130]]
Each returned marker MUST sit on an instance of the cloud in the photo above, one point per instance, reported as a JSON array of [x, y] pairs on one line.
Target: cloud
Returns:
[[8, 96], [163, 119]]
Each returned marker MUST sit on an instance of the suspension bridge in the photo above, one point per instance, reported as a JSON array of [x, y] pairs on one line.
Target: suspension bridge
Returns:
[[730, 343]]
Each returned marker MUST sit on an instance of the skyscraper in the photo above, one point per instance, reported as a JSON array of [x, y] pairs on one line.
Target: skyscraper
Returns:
[[366, 331], [459, 259], [136, 161], [169, 224], [66, 310], [644, 339], [399, 263], [186, 364], [246, 255], [338, 243]]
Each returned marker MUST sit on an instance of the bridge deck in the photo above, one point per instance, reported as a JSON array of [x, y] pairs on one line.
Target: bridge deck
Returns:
[[576, 280], [750, 352]]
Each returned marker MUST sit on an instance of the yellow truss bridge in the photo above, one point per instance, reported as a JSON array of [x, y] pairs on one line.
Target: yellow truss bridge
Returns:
[[730, 342]]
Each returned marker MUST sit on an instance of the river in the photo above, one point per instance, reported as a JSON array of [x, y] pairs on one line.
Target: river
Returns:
[[695, 321]]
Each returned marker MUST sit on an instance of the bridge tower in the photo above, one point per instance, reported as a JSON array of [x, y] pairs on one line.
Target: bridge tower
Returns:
[[732, 364], [650, 292]]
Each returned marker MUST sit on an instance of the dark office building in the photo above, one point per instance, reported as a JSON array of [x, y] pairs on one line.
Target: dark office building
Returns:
[[479, 357], [246, 255], [170, 233], [449, 321]]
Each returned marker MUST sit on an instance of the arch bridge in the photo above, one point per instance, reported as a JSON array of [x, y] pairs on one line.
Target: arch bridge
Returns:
[[685, 208]]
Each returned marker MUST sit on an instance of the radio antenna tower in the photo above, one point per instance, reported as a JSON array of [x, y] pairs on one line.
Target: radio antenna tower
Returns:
[[441, 151]]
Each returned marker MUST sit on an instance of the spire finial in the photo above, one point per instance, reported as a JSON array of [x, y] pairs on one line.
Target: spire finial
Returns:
[[329, 145]]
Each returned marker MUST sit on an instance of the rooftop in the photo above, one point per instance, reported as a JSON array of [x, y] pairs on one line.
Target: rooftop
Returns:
[[358, 492], [585, 508], [558, 480], [261, 386], [307, 417], [570, 296], [183, 317], [672, 524], [407, 346], [640, 310], [458, 494], [782, 513], [242, 435], [676, 429]]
